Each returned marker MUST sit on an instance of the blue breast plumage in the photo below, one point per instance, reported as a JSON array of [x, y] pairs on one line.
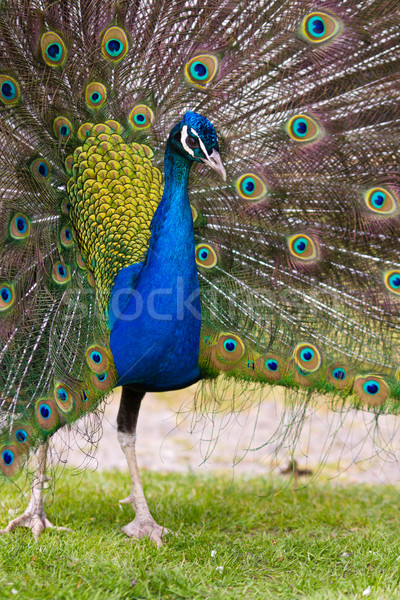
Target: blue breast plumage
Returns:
[[154, 312]]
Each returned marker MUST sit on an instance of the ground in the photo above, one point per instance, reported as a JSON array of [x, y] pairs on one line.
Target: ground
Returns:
[[244, 533]]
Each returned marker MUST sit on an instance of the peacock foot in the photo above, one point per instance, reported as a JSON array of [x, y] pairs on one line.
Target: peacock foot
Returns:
[[38, 522], [139, 528], [34, 516]]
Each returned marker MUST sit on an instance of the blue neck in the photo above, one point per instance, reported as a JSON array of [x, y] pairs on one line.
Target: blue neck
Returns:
[[173, 212], [159, 348]]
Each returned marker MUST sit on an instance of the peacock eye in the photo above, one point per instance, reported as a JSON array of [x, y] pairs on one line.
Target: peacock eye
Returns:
[[192, 142], [9, 90], [318, 27], [201, 70], [302, 247], [114, 45], [303, 128], [141, 117], [53, 49], [392, 281], [62, 127], [380, 200], [95, 95]]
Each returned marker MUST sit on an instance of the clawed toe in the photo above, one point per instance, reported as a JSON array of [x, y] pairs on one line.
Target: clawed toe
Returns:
[[138, 529], [38, 524]]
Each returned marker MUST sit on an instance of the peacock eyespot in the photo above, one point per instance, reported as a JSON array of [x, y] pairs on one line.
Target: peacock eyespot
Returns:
[[61, 273], [318, 27], [103, 380], [40, 168], [251, 187], [201, 69], [65, 206], [395, 281], [9, 90], [392, 281], [53, 49], [45, 411], [380, 201], [205, 256], [114, 45], [7, 296], [97, 359], [140, 119], [95, 95], [84, 131], [46, 414], [371, 387], [307, 358], [141, 116], [301, 246], [339, 374], [271, 364], [21, 436], [62, 394], [20, 227], [63, 397], [21, 224], [62, 128], [303, 128], [230, 347], [10, 460], [8, 457], [66, 237], [307, 354]]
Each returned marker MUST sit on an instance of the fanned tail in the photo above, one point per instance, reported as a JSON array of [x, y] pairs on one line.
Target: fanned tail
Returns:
[[297, 252], [298, 256]]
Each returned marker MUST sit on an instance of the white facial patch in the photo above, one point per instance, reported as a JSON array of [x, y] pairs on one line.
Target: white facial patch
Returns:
[[184, 135]]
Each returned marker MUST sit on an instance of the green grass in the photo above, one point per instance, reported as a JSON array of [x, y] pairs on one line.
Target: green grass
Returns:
[[272, 542]]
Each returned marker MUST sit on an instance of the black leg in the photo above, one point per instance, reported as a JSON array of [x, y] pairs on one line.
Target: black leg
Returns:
[[129, 409]]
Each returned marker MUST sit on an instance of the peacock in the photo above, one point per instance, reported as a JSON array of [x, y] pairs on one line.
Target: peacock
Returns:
[[194, 189]]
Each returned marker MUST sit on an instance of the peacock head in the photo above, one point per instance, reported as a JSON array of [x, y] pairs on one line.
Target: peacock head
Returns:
[[196, 139]]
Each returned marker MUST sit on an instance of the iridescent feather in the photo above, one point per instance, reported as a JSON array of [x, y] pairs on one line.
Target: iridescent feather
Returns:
[[297, 252]]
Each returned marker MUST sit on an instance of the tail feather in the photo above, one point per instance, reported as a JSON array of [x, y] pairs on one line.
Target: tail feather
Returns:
[[300, 248]]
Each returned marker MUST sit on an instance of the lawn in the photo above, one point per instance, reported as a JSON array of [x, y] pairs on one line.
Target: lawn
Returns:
[[237, 539]]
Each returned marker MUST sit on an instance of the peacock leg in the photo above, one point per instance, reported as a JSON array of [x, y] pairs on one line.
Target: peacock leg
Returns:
[[143, 525], [34, 516]]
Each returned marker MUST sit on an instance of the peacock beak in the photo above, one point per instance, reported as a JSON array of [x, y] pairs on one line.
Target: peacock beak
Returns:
[[214, 161]]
